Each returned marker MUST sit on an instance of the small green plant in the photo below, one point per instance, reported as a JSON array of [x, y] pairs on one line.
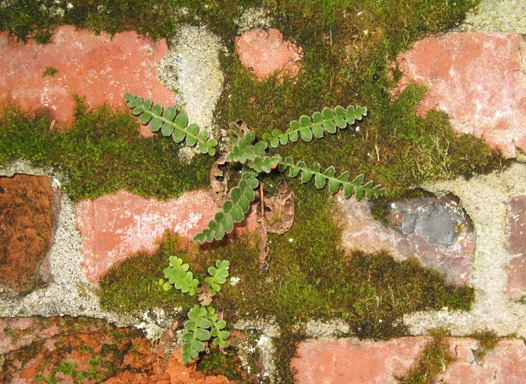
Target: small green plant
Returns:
[[50, 72], [252, 155], [204, 322]]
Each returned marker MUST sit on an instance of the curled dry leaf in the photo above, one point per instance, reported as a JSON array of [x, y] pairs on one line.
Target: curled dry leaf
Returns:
[[263, 245], [169, 336], [278, 218], [219, 182], [205, 297], [279, 210]]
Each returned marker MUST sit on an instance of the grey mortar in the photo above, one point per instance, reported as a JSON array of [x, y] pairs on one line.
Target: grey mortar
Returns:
[[485, 199], [192, 69], [253, 18], [496, 16]]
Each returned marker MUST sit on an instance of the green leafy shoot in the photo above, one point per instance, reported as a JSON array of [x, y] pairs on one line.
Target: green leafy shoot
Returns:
[[307, 128], [218, 275], [233, 211], [328, 177], [219, 335], [180, 277], [196, 333], [171, 122], [203, 324]]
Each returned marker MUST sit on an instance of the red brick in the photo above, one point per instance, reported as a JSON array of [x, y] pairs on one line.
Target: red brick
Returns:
[[479, 79], [516, 268], [349, 361], [115, 226], [265, 52], [100, 68], [505, 364]]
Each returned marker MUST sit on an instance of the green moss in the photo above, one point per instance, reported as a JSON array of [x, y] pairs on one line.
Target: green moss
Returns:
[[21, 137], [133, 285], [50, 72], [435, 359], [488, 341], [37, 18], [102, 152]]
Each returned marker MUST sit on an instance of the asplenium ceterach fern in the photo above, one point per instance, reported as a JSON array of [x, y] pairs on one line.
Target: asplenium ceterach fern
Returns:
[[252, 155]]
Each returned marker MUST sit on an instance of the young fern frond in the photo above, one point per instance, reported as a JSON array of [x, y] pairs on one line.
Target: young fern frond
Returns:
[[195, 333], [306, 128], [233, 211], [171, 122], [180, 277], [328, 177], [218, 275], [203, 324], [253, 155], [244, 150], [219, 335]]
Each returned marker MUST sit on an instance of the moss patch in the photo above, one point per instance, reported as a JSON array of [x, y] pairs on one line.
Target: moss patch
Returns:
[[133, 285], [102, 152]]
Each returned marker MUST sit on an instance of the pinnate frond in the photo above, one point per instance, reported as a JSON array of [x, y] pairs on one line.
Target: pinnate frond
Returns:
[[171, 122], [180, 277], [196, 333], [328, 177], [233, 211], [328, 120], [218, 275]]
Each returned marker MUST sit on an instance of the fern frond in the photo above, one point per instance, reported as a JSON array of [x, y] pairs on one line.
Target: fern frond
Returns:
[[195, 333], [219, 335], [243, 150], [178, 274], [171, 122], [328, 177], [233, 211], [218, 275], [328, 120]]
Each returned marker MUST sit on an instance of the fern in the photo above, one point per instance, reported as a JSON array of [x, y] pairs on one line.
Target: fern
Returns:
[[233, 211], [252, 155], [180, 277], [195, 333], [218, 334], [328, 177], [203, 324], [217, 276], [171, 122], [328, 120]]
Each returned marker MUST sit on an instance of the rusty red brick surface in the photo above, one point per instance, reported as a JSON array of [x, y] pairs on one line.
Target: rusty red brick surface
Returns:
[[516, 285], [505, 364], [26, 232], [115, 226]]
